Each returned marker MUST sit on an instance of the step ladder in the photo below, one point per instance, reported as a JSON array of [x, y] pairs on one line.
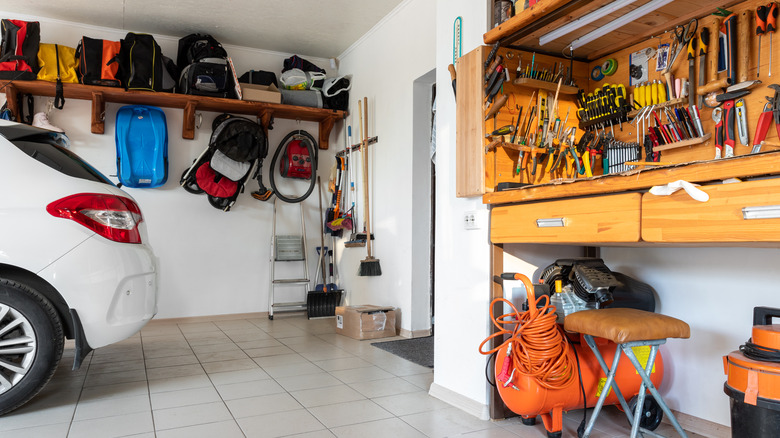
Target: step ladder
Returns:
[[288, 249]]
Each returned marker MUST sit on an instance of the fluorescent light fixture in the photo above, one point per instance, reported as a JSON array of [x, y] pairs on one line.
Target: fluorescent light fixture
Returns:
[[763, 212], [584, 20], [619, 22], [552, 222]]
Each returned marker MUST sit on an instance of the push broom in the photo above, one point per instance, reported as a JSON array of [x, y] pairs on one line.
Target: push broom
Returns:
[[369, 267]]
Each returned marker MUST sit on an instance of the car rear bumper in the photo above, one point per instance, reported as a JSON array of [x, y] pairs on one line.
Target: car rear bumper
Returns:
[[112, 286]]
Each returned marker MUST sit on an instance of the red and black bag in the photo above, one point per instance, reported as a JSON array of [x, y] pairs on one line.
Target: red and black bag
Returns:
[[99, 62], [19, 49], [296, 162]]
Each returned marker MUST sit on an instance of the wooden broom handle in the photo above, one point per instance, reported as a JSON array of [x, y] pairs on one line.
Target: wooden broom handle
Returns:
[[364, 147]]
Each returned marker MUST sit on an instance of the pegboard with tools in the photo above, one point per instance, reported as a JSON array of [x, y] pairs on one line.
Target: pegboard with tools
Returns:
[[716, 98], [648, 104], [524, 127]]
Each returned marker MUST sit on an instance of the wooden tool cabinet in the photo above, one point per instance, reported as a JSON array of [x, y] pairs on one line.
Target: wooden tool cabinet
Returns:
[[616, 210], [189, 103], [589, 204]]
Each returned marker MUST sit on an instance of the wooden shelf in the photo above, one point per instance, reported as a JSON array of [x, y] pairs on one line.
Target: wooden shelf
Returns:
[[544, 85], [743, 166], [684, 143], [189, 103]]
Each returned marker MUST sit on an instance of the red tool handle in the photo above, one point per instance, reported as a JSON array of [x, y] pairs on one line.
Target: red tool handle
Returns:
[[771, 18], [718, 139], [730, 118], [764, 120]]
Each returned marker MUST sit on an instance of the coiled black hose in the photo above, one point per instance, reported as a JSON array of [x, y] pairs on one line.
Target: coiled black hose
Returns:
[[311, 146]]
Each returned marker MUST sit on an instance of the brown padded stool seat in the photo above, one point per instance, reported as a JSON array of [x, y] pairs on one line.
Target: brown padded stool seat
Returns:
[[626, 325]]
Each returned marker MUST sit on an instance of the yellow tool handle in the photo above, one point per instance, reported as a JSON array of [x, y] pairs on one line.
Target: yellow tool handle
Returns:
[[639, 95], [586, 163], [661, 93]]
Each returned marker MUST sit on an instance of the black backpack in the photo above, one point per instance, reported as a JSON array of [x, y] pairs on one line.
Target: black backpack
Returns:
[[19, 51], [142, 65], [205, 69]]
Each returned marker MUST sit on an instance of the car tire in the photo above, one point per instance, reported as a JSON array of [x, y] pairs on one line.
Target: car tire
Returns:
[[32, 341]]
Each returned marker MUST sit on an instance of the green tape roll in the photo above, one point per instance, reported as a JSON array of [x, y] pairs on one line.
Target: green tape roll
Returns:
[[609, 67]]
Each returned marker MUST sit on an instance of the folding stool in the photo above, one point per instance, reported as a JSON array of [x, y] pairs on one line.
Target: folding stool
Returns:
[[628, 328]]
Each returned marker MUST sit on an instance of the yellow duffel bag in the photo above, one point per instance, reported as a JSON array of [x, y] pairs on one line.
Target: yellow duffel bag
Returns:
[[57, 64]]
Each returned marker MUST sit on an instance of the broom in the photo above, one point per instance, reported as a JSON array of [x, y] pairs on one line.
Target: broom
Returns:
[[369, 267]]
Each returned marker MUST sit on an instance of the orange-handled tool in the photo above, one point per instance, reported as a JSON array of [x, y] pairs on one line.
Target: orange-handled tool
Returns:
[[771, 25], [761, 12]]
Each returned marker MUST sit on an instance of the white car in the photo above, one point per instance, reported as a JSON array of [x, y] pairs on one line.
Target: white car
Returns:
[[75, 261]]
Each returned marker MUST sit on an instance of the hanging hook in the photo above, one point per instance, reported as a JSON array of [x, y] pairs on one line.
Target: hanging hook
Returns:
[[49, 106], [199, 122]]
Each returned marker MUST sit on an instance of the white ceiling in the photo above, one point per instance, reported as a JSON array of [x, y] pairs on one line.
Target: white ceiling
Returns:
[[305, 27]]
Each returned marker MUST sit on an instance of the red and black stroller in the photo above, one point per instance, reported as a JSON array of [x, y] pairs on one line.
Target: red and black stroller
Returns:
[[236, 147]]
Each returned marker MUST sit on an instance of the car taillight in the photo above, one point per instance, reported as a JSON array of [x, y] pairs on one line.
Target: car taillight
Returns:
[[113, 217]]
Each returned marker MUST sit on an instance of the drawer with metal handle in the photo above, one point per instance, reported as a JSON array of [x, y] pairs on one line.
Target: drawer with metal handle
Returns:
[[738, 212], [601, 219]]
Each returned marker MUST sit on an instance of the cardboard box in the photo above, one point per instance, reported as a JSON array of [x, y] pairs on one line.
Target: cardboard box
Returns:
[[365, 322], [261, 93]]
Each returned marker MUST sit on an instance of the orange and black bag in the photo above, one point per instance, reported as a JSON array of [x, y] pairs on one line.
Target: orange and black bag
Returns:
[[99, 62]]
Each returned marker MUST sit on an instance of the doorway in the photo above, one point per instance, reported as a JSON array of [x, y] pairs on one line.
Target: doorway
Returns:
[[423, 203]]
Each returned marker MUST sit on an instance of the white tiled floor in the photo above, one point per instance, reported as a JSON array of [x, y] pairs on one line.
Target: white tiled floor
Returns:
[[251, 377]]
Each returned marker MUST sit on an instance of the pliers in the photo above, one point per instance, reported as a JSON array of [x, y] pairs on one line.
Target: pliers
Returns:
[[717, 117]]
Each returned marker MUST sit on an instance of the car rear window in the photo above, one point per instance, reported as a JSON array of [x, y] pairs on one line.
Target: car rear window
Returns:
[[43, 149]]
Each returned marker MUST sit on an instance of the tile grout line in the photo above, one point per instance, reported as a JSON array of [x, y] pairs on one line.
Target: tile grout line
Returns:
[[148, 389], [208, 376]]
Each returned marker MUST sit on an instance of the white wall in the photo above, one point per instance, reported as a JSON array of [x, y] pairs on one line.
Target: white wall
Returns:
[[385, 63], [462, 257], [210, 262], [714, 290]]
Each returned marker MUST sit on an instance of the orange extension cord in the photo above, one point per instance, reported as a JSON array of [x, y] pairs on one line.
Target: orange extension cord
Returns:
[[539, 348]]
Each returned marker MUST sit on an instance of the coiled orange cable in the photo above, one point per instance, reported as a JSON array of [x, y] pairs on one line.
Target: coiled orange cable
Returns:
[[539, 348]]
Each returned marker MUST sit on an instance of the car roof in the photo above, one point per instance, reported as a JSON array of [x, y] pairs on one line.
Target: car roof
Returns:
[[13, 130]]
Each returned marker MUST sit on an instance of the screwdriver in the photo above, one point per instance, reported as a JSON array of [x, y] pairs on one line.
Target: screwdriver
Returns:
[[771, 19], [761, 13], [504, 130]]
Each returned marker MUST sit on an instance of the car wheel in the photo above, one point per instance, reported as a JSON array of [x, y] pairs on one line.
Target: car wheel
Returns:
[[31, 343]]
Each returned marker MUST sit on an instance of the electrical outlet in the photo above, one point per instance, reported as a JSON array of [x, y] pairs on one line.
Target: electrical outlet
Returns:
[[472, 220]]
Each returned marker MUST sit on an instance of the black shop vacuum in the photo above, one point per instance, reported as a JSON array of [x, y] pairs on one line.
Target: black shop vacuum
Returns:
[[753, 382]]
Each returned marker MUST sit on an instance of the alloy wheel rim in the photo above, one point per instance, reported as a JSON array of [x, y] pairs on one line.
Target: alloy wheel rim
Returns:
[[17, 347]]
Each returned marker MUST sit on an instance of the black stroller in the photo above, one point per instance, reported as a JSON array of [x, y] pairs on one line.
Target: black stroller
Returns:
[[236, 147]]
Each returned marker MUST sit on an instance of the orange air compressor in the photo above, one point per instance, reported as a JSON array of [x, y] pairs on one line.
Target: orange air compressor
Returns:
[[542, 371]]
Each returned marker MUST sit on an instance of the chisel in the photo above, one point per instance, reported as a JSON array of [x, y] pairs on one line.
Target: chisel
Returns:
[[497, 105]]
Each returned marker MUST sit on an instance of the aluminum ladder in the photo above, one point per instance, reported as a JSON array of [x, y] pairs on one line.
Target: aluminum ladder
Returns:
[[288, 248]]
